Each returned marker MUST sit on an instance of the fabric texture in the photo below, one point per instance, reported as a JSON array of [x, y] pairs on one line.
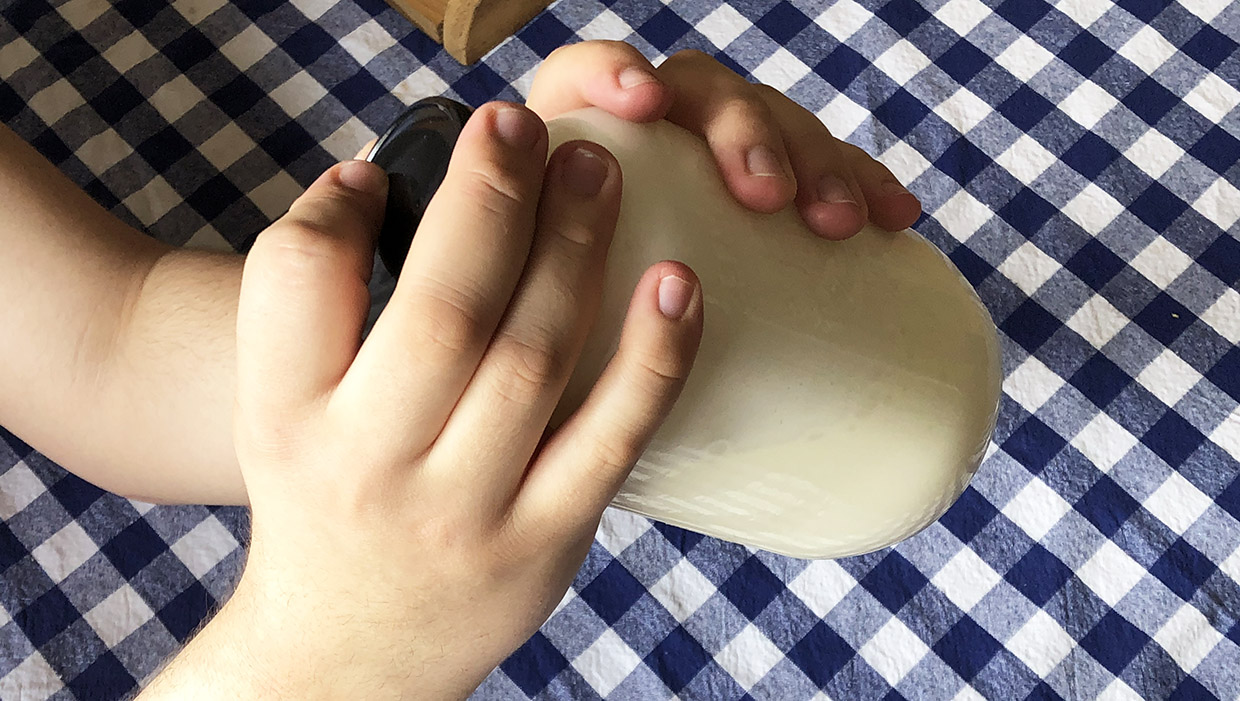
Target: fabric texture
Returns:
[[1078, 162]]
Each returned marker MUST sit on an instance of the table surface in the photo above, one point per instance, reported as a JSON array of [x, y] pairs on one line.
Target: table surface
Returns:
[[1077, 160]]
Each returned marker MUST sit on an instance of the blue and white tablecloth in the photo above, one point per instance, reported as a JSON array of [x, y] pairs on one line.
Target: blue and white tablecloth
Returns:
[[1078, 161]]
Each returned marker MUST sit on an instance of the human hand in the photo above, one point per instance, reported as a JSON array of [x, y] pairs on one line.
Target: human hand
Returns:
[[413, 520], [750, 129]]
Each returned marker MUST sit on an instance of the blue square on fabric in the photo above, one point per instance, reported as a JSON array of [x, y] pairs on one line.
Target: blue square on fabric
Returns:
[[677, 659], [11, 104], [479, 84], [1226, 373], [664, 28], [1183, 569], [188, 49], [1100, 380], [841, 67], [307, 44], [974, 268], [1023, 14], [19, 448], [288, 143], [1164, 318], [612, 592], [1173, 439], [75, 494], [1144, 10], [1038, 575], [164, 147], [545, 34], [187, 611], [962, 161], [894, 581], [1209, 47], [962, 61], [1095, 264], [358, 90], [1114, 642], [534, 664], [105, 678], [752, 587], [1150, 101], [903, 15], [11, 549], [70, 52], [1157, 207], [966, 648], [138, 12], [1223, 259], [1217, 148], [783, 22], [1189, 689], [134, 548], [1086, 53], [1027, 212], [237, 96], [24, 15], [214, 196], [117, 100], [1090, 155], [1106, 505], [46, 617], [969, 515], [901, 112], [1043, 692], [1034, 444], [684, 540], [1030, 325]]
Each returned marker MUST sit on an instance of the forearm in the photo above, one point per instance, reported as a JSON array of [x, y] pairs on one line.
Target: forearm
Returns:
[[118, 349]]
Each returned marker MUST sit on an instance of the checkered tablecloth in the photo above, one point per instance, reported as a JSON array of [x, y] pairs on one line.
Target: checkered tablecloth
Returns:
[[1078, 160]]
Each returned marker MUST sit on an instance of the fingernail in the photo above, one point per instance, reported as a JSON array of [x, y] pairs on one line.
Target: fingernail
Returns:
[[633, 77], [516, 127], [584, 172], [832, 189], [892, 187], [674, 296], [762, 161], [361, 176]]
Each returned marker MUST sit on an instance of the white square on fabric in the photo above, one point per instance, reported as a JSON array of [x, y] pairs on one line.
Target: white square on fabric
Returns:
[[1224, 315], [620, 529], [348, 139], [119, 615], [1094, 209], [367, 41], [274, 196], [1041, 643], [965, 579], [298, 94], [842, 116], [1036, 509], [1111, 573], [55, 101], [1177, 503], [80, 13], [423, 82], [313, 9], [1088, 104], [1161, 262], [781, 70], [1024, 58], [893, 651], [226, 146], [968, 693], [16, 55], [606, 25], [1104, 442], [1032, 384], [153, 201], [1026, 159], [607, 662], [749, 657], [205, 546], [963, 110], [961, 16], [34, 678], [1207, 10], [1213, 97], [1220, 203], [1083, 12], [1168, 377], [129, 51], [1147, 49], [902, 62], [722, 26], [683, 590], [1231, 566], [1188, 637], [843, 19], [904, 161], [1154, 153], [1227, 434], [195, 11], [1097, 321], [64, 551], [1028, 267], [175, 98], [208, 239], [1118, 690], [822, 585], [245, 49], [103, 150], [963, 215]]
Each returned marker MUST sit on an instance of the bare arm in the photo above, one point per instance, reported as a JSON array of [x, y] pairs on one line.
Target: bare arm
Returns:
[[118, 350]]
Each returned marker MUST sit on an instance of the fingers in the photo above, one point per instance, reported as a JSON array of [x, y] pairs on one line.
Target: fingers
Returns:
[[891, 206], [611, 75], [828, 196], [303, 292], [720, 106], [582, 465], [463, 265], [503, 412]]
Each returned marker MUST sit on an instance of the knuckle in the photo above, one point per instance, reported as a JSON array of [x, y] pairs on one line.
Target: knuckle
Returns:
[[526, 369], [446, 325], [496, 190], [691, 56], [296, 248]]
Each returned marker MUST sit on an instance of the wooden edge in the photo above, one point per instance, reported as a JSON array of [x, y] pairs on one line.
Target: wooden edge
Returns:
[[471, 28], [427, 15]]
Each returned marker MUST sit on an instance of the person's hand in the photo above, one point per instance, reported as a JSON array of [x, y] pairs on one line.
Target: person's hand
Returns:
[[770, 150], [414, 521]]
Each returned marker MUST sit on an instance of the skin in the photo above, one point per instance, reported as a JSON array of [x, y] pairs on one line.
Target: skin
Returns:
[[412, 513]]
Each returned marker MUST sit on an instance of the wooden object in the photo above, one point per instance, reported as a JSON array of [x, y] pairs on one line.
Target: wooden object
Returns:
[[468, 29]]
